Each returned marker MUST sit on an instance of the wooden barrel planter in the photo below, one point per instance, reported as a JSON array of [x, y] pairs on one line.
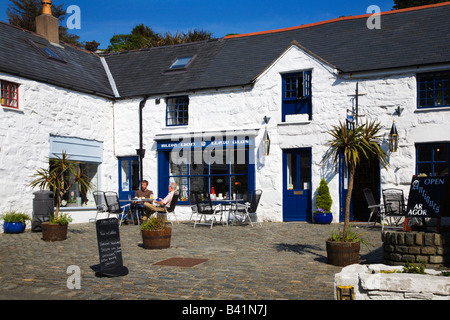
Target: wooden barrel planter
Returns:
[[156, 239], [54, 232], [342, 253]]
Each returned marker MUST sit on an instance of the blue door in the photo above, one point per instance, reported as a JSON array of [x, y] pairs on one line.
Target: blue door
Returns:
[[297, 185], [128, 177]]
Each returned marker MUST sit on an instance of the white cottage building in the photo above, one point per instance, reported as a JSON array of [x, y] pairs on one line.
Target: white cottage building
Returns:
[[165, 114]]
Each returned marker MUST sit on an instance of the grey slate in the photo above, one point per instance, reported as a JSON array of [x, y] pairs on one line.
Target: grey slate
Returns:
[[418, 37], [406, 39], [83, 71]]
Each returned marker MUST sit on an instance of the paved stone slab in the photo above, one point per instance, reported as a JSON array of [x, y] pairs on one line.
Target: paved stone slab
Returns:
[[268, 262]]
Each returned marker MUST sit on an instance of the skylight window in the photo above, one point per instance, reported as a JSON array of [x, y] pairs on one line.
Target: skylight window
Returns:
[[47, 52], [181, 62]]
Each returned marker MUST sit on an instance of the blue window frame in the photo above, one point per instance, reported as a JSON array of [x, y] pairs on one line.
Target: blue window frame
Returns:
[[433, 89], [229, 171], [177, 111], [296, 93], [432, 159]]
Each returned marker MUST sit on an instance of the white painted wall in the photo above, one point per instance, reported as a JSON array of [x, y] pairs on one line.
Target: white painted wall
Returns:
[[46, 109]]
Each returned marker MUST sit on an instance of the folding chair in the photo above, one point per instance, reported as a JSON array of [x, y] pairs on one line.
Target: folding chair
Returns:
[[206, 210], [112, 202], [194, 211], [375, 208], [394, 207], [100, 203], [171, 209], [246, 210]]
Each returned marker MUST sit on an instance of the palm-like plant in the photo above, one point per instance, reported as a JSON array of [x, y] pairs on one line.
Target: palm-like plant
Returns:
[[352, 144], [60, 177]]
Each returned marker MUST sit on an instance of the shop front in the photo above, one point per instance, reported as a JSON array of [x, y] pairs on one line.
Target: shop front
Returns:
[[222, 164]]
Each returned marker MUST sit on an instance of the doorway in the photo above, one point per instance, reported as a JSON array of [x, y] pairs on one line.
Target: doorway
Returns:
[[367, 175], [297, 185], [128, 177]]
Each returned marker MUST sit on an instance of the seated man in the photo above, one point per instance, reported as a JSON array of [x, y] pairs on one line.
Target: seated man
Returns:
[[142, 193], [152, 208]]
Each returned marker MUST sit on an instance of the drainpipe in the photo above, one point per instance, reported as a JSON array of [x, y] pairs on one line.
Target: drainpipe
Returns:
[[141, 151]]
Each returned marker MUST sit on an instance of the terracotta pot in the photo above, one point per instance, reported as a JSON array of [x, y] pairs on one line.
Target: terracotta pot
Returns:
[[156, 239], [54, 232], [342, 253]]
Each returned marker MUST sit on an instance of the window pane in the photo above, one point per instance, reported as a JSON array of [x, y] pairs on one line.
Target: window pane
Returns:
[[291, 171], [441, 169], [76, 197], [305, 171], [441, 152], [239, 185], [239, 161], [220, 184], [424, 168], [424, 152], [198, 184]]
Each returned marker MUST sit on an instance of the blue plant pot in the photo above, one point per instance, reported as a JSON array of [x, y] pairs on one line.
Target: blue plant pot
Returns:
[[13, 227], [323, 218]]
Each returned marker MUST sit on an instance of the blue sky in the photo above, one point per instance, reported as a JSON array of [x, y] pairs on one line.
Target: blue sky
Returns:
[[101, 19]]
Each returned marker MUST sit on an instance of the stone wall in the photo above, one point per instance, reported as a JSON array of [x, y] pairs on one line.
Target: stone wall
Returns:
[[381, 282], [400, 247]]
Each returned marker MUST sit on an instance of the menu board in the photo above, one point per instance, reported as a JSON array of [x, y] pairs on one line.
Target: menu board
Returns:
[[427, 197], [109, 248]]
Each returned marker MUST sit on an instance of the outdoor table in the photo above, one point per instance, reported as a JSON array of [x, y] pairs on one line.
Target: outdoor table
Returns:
[[224, 203], [137, 200]]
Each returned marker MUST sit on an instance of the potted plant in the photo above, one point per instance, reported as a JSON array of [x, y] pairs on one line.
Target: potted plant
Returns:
[[61, 175], [351, 144], [322, 214], [156, 234], [14, 221]]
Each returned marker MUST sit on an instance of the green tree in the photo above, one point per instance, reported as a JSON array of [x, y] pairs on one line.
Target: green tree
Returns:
[[142, 36], [23, 13], [363, 141], [401, 4]]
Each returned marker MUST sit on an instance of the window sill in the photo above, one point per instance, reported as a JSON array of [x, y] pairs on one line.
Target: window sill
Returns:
[[11, 108], [301, 122], [432, 109]]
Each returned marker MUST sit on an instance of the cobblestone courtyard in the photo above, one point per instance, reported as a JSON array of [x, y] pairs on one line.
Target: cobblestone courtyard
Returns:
[[268, 262]]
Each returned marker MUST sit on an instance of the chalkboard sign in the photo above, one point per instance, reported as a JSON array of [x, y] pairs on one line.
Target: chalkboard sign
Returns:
[[426, 197], [109, 248]]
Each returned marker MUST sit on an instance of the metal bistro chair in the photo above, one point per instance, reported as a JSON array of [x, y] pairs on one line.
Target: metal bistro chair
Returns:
[[194, 211], [112, 202], [375, 208], [248, 209], [100, 203], [171, 208], [206, 210], [394, 207]]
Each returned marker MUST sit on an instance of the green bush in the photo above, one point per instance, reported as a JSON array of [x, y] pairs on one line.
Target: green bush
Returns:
[[323, 199], [154, 223], [15, 216]]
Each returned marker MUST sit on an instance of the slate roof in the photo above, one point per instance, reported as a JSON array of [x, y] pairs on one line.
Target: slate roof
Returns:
[[418, 36], [407, 38], [83, 71]]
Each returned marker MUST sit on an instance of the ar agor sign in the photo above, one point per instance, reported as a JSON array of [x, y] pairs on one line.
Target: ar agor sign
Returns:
[[426, 197]]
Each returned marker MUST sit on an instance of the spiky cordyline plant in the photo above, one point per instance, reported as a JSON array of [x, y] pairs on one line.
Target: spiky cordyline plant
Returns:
[[363, 141], [60, 177]]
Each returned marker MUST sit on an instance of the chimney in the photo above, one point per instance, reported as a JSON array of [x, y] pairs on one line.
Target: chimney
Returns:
[[46, 24]]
